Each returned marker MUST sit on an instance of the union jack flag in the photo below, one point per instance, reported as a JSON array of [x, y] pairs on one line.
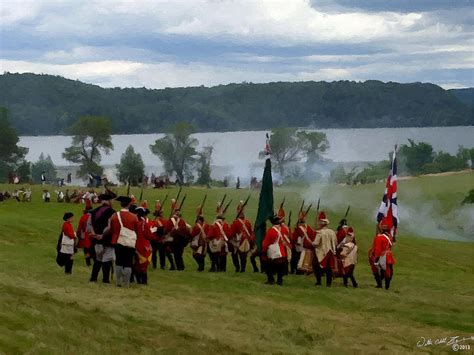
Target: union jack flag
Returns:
[[388, 209]]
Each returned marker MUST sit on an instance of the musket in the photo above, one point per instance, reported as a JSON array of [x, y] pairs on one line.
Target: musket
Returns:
[[244, 204], [179, 193], [307, 210], [289, 221], [317, 208], [347, 211], [182, 202], [164, 200], [141, 192], [203, 201], [223, 199], [302, 206], [128, 186], [226, 207], [282, 202]]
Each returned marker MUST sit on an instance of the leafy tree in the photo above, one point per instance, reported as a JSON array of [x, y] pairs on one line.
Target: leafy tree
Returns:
[[46, 165], [289, 145], [204, 169], [285, 147], [315, 144], [131, 166], [177, 150], [11, 155], [91, 135], [415, 155]]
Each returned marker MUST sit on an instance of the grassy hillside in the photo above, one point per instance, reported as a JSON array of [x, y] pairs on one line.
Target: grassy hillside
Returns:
[[43, 311], [46, 104]]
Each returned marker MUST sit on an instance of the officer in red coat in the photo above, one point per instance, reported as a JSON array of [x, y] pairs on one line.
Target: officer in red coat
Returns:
[[178, 235], [84, 233], [274, 251], [199, 235], [124, 230], [380, 254], [241, 239]]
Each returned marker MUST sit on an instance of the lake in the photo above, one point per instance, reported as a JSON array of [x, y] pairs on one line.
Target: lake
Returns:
[[236, 152]]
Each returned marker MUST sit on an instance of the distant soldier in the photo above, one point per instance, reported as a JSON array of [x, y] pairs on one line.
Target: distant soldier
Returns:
[[102, 238], [275, 251], [303, 251], [199, 235], [66, 244], [178, 234], [43, 178], [325, 244], [46, 196], [158, 245], [124, 230], [380, 254], [218, 238], [69, 178], [83, 233], [241, 239], [60, 196]]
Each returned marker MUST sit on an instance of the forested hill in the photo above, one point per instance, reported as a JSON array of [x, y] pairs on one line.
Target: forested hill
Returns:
[[45, 104], [464, 95]]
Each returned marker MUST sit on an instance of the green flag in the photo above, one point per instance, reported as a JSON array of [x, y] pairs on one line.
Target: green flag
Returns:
[[265, 204]]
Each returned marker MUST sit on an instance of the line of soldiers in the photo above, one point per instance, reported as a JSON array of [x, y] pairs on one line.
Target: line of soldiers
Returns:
[[134, 242]]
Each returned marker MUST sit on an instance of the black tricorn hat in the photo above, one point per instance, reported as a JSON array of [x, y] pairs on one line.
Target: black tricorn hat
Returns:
[[106, 197], [275, 219], [142, 211], [124, 199], [67, 215]]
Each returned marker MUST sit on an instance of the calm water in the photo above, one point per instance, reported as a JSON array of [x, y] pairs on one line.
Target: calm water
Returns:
[[236, 151]]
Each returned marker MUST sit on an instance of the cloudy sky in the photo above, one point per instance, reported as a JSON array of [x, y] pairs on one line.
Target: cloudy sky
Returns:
[[158, 44]]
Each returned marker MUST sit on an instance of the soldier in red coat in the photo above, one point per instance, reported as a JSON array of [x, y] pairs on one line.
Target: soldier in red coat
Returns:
[[159, 245], [241, 239], [302, 248], [274, 251], [380, 254], [84, 233], [124, 230], [218, 239], [199, 235], [145, 235], [178, 235]]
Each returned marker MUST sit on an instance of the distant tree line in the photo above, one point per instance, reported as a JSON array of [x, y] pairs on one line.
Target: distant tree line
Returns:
[[413, 159], [45, 104]]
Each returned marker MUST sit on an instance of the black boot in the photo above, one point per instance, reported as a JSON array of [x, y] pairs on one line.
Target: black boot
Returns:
[[345, 279], [243, 262], [387, 283], [354, 282], [106, 267], [378, 280], [235, 261], [253, 261], [95, 270]]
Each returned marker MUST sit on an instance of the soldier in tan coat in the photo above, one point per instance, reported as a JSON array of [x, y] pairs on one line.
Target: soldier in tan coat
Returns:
[[325, 246]]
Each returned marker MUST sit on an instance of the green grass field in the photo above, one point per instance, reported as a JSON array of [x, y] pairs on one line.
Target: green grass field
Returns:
[[432, 294]]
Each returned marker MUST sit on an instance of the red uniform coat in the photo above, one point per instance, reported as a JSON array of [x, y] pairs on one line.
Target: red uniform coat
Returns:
[[199, 235], [382, 247], [67, 238], [129, 220], [237, 230], [82, 233], [177, 232], [219, 233], [157, 226], [143, 246], [303, 236], [271, 237]]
